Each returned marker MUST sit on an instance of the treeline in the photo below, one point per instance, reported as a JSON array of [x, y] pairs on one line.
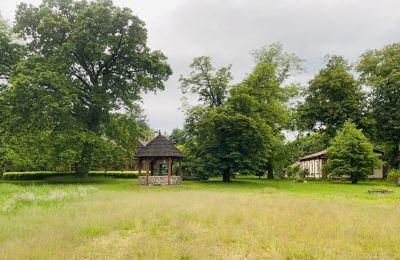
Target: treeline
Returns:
[[240, 128], [73, 73]]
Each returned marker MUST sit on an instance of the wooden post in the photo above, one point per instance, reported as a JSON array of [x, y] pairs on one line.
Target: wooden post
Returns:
[[169, 170], [180, 168], [147, 162]]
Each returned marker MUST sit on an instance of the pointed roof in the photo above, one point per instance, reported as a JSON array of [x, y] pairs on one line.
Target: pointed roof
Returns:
[[160, 146]]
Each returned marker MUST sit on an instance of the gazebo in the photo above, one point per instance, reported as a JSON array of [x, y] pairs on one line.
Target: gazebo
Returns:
[[155, 155]]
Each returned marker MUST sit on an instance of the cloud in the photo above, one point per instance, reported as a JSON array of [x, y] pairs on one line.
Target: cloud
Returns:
[[227, 30]]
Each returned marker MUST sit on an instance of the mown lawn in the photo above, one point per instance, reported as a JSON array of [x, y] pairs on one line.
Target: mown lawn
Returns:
[[103, 218]]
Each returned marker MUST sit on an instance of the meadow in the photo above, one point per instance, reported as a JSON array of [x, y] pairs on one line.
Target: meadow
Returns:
[[104, 218]]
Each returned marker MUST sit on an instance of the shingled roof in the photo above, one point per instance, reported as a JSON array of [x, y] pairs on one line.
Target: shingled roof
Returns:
[[159, 147]]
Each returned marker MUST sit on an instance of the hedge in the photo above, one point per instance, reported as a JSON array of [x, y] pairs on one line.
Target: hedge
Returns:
[[116, 174], [42, 175]]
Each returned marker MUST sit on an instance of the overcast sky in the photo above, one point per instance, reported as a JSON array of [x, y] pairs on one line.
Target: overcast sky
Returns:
[[228, 30]]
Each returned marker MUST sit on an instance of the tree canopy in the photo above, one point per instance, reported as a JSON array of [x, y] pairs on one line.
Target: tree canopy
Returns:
[[215, 144], [207, 82], [380, 69], [332, 97], [86, 66], [351, 153]]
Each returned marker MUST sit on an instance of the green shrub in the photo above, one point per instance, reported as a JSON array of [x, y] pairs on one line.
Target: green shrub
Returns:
[[295, 172], [42, 175], [394, 175], [39, 175], [115, 174]]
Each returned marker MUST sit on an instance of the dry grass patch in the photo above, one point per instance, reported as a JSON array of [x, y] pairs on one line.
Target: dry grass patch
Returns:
[[183, 224]]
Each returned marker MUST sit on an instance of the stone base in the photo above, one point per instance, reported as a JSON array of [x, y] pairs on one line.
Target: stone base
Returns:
[[160, 180]]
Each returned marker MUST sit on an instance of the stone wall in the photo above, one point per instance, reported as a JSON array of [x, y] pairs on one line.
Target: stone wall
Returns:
[[160, 180]]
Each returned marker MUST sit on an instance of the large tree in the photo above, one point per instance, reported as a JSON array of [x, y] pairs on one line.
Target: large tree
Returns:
[[332, 97], [351, 153], [208, 83], [268, 85], [215, 143], [10, 51], [380, 69], [86, 62], [229, 142]]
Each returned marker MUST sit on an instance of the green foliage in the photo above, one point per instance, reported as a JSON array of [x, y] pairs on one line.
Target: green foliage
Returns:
[[268, 97], [286, 64], [229, 142], [394, 175], [85, 62], [10, 51], [380, 69], [42, 175], [295, 173], [208, 83], [177, 136], [351, 154], [243, 132], [304, 145], [332, 97]]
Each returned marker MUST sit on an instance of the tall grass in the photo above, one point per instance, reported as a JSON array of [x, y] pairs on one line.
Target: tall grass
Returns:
[[249, 219]]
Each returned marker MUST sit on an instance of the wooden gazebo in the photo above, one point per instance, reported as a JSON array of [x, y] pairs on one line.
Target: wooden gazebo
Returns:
[[153, 156]]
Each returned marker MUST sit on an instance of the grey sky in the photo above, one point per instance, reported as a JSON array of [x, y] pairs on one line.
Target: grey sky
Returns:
[[227, 30]]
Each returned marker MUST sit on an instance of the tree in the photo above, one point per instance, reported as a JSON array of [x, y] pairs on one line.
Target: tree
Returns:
[[85, 62], [332, 97], [208, 83], [177, 136], [10, 51], [351, 153], [286, 64], [380, 70], [266, 84], [215, 142], [230, 142]]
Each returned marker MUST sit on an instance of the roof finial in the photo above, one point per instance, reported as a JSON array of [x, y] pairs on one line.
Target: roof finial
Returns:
[[159, 132]]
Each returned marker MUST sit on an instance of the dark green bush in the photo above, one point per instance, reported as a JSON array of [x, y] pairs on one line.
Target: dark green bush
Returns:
[[115, 174], [394, 175], [42, 175]]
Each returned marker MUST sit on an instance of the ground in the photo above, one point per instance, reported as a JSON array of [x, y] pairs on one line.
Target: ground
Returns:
[[100, 218]]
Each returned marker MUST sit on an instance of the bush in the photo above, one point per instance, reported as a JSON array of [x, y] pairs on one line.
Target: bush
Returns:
[[115, 174], [394, 175], [42, 175], [350, 153], [294, 173]]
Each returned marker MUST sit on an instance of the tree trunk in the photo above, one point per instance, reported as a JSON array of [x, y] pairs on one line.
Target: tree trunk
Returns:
[[270, 169], [354, 180], [397, 156], [85, 162], [86, 158], [226, 176]]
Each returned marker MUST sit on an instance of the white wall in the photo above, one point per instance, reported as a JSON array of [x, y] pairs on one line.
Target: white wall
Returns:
[[378, 174], [314, 167]]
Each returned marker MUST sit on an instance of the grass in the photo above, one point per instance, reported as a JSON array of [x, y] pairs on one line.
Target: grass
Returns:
[[72, 218]]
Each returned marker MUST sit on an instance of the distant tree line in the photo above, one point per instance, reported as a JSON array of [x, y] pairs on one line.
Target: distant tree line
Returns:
[[240, 128], [73, 73]]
